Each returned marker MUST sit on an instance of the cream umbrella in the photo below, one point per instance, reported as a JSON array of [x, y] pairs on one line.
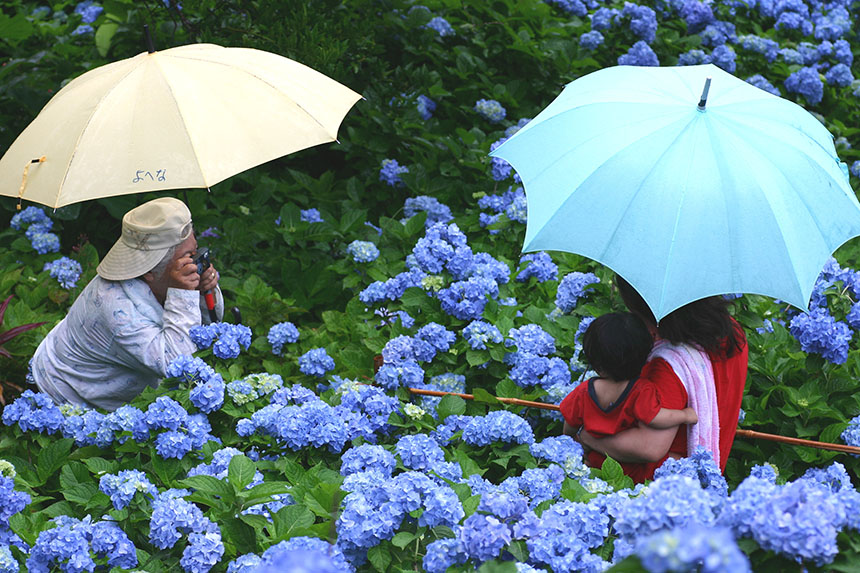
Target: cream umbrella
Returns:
[[185, 117]]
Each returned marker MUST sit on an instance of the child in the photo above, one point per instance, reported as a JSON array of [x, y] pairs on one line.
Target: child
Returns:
[[616, 346]]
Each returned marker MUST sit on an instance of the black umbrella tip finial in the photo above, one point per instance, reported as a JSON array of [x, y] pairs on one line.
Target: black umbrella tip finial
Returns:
[[704, 98], [150, 46]]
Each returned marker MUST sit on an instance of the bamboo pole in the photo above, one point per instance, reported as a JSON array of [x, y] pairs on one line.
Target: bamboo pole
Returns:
[[742, 433]]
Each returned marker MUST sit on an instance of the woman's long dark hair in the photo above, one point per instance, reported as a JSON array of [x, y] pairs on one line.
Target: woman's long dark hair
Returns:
[[705, 322]]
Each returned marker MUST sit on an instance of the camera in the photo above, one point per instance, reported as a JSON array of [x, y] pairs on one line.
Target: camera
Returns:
[[201, 259]]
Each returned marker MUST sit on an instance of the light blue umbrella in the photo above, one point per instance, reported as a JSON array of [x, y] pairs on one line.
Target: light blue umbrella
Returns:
[[685, 192]]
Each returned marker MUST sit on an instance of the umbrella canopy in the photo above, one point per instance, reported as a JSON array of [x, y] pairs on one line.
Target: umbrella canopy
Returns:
[[189, 116], [743, 193]]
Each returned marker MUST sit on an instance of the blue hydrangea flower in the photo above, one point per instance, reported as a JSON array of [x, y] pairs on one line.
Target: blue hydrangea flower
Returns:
[[11, 501], [490, 110], [316, 362], [123, 486], [31, 217], [441, 26], [800, 520], [498, 426], [695, 547], [280, 334], [426, 107], [563, 536], [806, 82], [408, 374], [204, 550], [603, 18], [303, 555], [820, 333], [436, 212], [368, 457], [591, 40], [391, 171], [311, 216], [499, 168], [362, 251], [466, 299], [67, 271], [532, 339], [208, 396], [851, 434], [572, 288], [483, 537], [765, 46], [419, 451], [671, 501], [44, 243], [760, 82], [643, 23], [34, 411], [89, 11], [538, 265], [478, 333], [697, 15], [700, 466], [444, 553], [839, 76]]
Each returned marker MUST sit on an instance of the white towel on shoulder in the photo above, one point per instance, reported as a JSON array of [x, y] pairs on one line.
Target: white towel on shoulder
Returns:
[[693, 367]]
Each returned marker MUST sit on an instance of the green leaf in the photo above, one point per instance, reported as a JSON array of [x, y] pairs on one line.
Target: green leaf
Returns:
[[263, 492], [53, 457], [241, 471], [450, 406], [104, 35], [482, 395], [519, 550], [477, 357], [290, 519], [379, 557], [15, 29], [80, 493], [402, 539], [210, 485], [100, 466]]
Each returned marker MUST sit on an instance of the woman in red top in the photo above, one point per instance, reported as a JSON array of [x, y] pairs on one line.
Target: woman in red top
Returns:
[[707, 324]]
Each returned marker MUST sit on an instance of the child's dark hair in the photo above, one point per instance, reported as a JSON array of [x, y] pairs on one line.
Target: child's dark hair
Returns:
[[617, 345]]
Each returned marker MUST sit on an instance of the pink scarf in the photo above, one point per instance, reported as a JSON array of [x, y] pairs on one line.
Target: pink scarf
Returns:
[[693, 367]]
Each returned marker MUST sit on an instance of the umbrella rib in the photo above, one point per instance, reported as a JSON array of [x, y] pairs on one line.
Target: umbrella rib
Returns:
[[83, 130], [276, 90], [181, 115]]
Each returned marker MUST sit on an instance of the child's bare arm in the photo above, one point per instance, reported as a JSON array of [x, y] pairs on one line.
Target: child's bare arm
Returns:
[[667, 418]]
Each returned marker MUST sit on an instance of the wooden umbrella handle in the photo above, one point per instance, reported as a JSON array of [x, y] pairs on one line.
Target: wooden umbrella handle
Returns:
[[742, 433]]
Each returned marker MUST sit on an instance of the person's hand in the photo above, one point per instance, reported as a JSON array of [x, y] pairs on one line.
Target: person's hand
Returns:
[[182, 273], [585, 440], [692, 417], [208, 280]]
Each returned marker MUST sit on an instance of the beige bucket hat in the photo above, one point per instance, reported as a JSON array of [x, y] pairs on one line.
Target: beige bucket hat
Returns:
[[148, 231]]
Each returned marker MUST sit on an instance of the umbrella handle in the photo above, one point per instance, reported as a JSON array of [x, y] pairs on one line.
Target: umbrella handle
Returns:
[[704, 99]]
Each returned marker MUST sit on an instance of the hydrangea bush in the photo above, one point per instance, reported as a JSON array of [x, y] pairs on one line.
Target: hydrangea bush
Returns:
[[392, 262]]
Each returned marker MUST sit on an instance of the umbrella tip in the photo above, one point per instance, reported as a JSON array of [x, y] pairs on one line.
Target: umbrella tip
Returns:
[[704, 98], [150, 46]]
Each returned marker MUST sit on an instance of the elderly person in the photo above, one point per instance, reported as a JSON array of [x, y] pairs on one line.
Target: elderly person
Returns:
[[132, 319]]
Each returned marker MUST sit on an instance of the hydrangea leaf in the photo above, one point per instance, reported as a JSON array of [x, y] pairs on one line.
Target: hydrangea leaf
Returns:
[[290, 519], [241, 471]]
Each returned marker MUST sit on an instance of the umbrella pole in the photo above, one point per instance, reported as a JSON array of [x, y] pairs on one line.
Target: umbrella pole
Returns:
[[742, 433]]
